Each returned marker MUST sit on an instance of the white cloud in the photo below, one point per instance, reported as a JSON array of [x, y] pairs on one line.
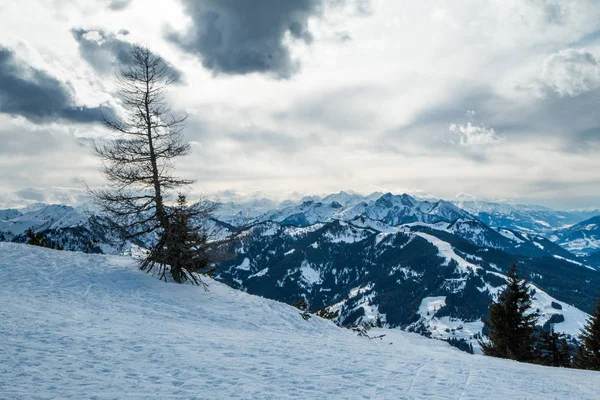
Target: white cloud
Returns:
[[465, 197], [474, 135], [336, 124], [571, 72]]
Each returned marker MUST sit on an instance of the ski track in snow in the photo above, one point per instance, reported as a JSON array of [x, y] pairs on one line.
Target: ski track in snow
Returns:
[[78, 326]]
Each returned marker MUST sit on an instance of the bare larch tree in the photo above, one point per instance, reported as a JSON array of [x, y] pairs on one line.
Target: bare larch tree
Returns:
[[138, 165]]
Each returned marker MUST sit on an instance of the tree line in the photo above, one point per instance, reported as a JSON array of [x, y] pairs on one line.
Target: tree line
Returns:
[[512, 332]]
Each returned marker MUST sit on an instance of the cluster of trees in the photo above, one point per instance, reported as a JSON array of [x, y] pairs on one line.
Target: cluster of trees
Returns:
[[138, 163], [461, 344], [39, 239], [512, 332]]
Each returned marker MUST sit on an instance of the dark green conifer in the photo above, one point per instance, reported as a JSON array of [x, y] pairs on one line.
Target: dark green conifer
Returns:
[[511, 323], [183, 246], [553, 349], [588, 352]]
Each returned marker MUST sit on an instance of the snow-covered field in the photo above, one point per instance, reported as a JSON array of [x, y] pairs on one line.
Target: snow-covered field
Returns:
[[80, 326]]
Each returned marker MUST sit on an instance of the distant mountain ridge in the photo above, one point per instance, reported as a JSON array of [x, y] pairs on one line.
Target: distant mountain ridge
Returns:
[[388, 255], [381, 256], [483, 223], [369, 270], [388, 208], [348, 205], [524, 218], [69, 227], [582, 238]]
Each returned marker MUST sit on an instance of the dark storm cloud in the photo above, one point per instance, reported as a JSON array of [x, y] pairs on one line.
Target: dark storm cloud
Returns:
[[31, 194], [257, 141], [341, 110], [27, 142], [37, 96], [574, 121], [241, 37], [106, 51], [117, 5], [251, 140], [430, 127]]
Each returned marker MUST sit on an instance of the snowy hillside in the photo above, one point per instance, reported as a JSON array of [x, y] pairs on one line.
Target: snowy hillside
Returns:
[[69, 227], [89, 326], [523, 218], [50, 217], [388, 208], [368, 270], [78, 230], [582, 238]]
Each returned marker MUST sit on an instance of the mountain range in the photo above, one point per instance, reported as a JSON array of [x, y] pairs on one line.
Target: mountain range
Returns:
[[430, 266]]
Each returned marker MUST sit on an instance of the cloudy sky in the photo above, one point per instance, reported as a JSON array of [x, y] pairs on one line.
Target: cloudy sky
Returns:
[[495, 99]]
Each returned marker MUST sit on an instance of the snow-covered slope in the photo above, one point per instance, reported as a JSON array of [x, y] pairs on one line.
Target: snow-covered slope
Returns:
[[388, 208], [78, 230], [242, 214], [53, 216], [521, 217], [399, 209], [80, 326], [582, 238], [9, 213], [69, 227], [368, 270]]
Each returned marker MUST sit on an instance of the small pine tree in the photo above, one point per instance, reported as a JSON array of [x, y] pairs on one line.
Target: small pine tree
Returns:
[[588, 352], [34, 239], [303, 306], [511, 323], [182, 245], [39, 239], [553, 349], [326, 313]]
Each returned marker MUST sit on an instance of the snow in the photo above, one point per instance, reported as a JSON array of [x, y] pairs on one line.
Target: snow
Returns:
[[590, 227], [360, 290], [309, 274], [47, 217], [431, 304], [347, 236], [582, 246], [510, 235], [294, 231], [574, 262], [575, 319], [446, 252], [260, 273], [406, 272], [77, 326], [445, 328], [245, 265]]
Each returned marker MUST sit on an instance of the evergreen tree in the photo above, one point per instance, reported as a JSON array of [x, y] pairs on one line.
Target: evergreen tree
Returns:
[[553, 349], [183, 246], [588, 352], [39, 239], [511, 323], [138, 163]]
